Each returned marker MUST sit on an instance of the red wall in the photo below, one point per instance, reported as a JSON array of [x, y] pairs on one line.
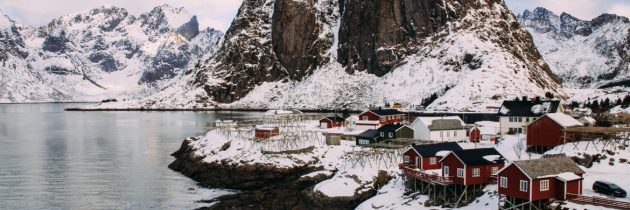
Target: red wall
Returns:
[[267, 133], [412, 157], [544, 195], [485, 171], [426, 163], [544, 132], [330, 124], [574, 187], [453, 163], [370, 115], [514, 175], [475, 135]]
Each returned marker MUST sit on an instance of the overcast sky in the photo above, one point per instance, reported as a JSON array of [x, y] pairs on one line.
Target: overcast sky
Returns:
[[219, 13]]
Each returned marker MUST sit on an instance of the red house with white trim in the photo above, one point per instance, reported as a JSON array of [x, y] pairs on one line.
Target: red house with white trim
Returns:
[[546, 132], [265, 131], [380, 117], [542, 179], [427, 156], [332, 121], [472, 166]]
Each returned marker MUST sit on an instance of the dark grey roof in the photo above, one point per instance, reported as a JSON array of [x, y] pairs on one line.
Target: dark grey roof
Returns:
[[548, 166], [387, 112], [429, 150], [472, 157], [445, 124], [368, 134], [524, 108], [390, 127]]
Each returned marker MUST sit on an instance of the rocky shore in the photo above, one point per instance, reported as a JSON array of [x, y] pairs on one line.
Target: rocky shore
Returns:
[[266, 185]]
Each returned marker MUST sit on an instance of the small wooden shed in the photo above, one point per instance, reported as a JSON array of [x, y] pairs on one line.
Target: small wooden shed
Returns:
[[264, 131]]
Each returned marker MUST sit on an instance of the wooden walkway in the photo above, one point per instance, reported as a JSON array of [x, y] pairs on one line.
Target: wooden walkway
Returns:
[[600, 201], [422, 175]]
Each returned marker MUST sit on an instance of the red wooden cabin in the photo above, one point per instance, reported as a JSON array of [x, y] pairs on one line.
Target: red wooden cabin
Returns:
[[547, 131], [474, 135], [383, 116], [542, 179], [264, 132], [427, 156], [472, 166], [331, 122]]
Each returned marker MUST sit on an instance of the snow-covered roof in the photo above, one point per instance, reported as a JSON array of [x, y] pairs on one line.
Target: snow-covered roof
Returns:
[[568, 176], [588, 120], [266, 127], [564, 120], [442, 153], [428, 121]]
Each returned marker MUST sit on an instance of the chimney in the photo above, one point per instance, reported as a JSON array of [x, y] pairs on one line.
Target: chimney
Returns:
[[524, 98], [538, 98]]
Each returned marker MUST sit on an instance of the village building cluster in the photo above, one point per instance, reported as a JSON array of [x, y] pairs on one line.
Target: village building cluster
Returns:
[[434, 163]]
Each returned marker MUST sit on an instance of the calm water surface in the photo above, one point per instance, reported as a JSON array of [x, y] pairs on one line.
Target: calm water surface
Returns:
[[52, 159]]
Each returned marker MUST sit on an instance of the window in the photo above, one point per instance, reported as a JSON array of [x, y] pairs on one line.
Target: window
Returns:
[[510, 130], [448, 134], [520, 130], [432, 160], [475, 172], [382, 134], [511, 119], [503, 182], [364, 141], [455, 133], [460, 172], [365, 118], [544, 185], [494, 170], [520, 119], [445, 170], [523, 186], [391, 135], [406, 159]]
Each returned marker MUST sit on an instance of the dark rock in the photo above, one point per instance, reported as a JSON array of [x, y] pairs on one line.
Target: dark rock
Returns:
[[190, 29], [58, 44]]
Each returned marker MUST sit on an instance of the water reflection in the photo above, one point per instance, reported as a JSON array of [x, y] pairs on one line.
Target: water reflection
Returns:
[[52, 159]]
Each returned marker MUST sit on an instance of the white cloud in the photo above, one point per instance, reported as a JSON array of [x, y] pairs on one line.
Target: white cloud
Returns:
[[211, 13], [582, 9]]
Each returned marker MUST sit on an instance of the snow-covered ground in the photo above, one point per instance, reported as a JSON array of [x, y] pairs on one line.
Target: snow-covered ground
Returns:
[[350, 176]]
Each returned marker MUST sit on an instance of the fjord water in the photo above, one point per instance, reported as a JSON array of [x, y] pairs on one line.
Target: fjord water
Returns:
[[54, 159]]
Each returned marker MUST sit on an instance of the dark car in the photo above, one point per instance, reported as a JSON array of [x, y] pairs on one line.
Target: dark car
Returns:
[[608, 188]]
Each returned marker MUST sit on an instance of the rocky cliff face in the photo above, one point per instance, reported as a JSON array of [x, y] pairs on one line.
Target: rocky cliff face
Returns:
[[106, 52], [354, 54], [582, 53]]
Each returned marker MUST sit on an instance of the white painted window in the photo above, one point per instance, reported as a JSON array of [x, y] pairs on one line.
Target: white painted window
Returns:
[[406, 159], [432, 160], [460, 172], [476, 172], [544, 185], [494, 170], [391, 135], [364, 141], [523, 186], [365, 118], [503, 182], [445, 170], [382, 134]]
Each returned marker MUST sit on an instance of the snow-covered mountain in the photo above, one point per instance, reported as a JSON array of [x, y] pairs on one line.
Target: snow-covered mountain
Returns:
[[584, 54], [360, 53], [101, 53]]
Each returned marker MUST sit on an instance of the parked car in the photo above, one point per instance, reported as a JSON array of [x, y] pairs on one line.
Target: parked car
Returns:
[[609, 188]]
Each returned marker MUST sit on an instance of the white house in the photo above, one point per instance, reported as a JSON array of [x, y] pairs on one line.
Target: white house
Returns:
[[447, 128], [514, 116]]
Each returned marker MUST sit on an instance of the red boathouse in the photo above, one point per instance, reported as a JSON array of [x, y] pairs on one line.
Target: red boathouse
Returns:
[[427, 156], [547, 131], [472, 166]]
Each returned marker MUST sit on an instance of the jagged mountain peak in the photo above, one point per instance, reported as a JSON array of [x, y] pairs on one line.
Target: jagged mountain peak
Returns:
[[583, 53]]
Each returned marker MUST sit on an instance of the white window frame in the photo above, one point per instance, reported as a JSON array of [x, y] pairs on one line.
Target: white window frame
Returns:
[[460, 172], [445, 169], [364, 141], [366, 118], [382, 134], [503, 182], [495, 170], [476, 172], [391, 135], [406, 159], [544, 185], [523, 185], [432, 160]]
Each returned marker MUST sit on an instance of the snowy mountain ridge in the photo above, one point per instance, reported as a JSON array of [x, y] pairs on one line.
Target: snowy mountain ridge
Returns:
[[358, 54], [101, 53], [584, 54]]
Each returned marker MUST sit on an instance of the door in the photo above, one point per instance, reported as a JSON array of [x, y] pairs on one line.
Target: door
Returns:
[[418, 163]]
